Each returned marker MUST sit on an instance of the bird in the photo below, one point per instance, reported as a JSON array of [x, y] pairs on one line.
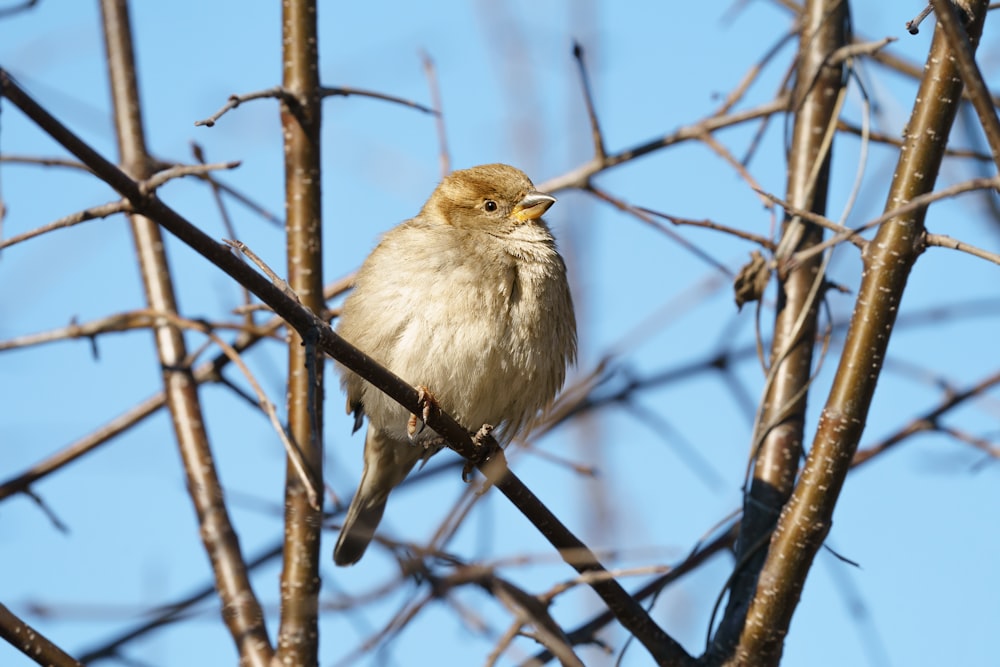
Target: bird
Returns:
[[468, 301]]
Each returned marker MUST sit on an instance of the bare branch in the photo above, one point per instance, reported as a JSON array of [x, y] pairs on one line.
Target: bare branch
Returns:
[[945, 241], [346, 92], [241, 610], [588, 98], [435, 92], [182, 170], [962, 49], [210, 371], [31, 643], [93, 213], [805, 520], [581, 175], [234, 101]]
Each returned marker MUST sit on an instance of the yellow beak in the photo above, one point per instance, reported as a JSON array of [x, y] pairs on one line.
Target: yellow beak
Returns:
[[532, 206]]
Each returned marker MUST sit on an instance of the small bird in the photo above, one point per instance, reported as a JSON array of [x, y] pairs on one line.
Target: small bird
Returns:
[[468, 301]]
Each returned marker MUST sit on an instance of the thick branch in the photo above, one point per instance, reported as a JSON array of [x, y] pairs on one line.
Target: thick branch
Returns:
[[777, 440], [806, 519], [28, 641], [964, 53], [301, 115], [241, 610]]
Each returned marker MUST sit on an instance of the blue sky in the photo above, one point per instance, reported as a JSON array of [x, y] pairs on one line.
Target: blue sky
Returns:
[[920, 521]]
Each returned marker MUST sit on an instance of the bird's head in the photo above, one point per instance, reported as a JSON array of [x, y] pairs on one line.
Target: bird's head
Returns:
[[491, 197]]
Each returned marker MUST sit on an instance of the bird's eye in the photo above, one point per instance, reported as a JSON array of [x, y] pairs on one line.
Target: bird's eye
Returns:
[[490, 206]]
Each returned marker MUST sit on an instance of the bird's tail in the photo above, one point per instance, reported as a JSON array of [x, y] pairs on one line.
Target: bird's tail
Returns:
[[387, 463]]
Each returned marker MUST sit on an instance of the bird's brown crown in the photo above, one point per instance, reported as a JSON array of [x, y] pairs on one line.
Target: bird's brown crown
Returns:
[[473, 196]]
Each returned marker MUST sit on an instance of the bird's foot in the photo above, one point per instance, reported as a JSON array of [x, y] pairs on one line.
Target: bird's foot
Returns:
[[477, 439], [428, 404]]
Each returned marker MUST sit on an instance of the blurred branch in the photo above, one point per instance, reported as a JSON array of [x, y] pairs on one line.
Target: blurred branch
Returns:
[[11, 158], [600, 153], [753, 73], [227, 223], [111, 208], [126, 321], [93, 213], [762, 241], [645, 216], [930, 420], [530, 609], [36, 646], [169, 614], [897, 142], [210, 371], [435, 92], [179, 609], [181, 170], [283, 95], [347, 92], [580, 176], [10, 11]]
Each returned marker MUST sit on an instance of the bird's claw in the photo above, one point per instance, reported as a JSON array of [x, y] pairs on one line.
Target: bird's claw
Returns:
[[477, 440], [428, 404]]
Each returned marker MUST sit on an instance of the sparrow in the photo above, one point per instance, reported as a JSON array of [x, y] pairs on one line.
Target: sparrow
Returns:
[[469, 302]]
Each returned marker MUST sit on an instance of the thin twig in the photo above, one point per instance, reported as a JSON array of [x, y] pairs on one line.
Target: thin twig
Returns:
[[927, 420], [751, 76], [648, 219], [915, 204], [849, 234], [597, 137], [347, 92], [11, 158], [896, 142], [181, 170], [234, 101], [913, 25], [430, 71], [307, 477], [945, 241], [278, 281], [93, 213], [580, 176], [210, 371]]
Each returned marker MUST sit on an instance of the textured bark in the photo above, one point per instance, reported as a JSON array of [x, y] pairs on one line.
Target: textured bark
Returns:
[[779, 435], [301, 112], [805, 521], [241, 610]]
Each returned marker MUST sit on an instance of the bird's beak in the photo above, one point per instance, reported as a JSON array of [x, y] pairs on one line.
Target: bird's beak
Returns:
[[532, 206]]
